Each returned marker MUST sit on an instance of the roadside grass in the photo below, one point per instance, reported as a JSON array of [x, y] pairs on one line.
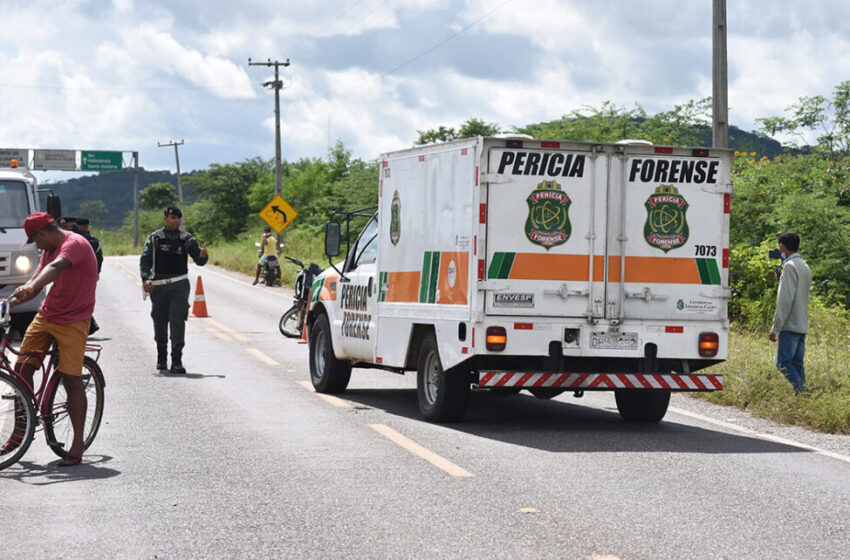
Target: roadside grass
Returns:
[[238, 255], [751, 380]]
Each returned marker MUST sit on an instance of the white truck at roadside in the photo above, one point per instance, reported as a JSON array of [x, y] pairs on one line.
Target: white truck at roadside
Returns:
[[18, 260], [549, 266]]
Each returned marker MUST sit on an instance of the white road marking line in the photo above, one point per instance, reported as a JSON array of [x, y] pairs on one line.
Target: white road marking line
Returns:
[[760, 435], [337, 402], [229, 331], [129, 273], [262, 357], [413, 447], [220, 334]]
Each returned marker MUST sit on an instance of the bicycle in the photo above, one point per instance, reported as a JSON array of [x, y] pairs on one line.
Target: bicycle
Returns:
[[23, 408]]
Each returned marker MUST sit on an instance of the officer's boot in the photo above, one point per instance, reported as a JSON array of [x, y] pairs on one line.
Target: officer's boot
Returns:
[[161, 358], [177, 361]]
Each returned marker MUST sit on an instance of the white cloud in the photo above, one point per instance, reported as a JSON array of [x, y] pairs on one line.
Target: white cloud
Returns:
[[161, 52], [86, 73]]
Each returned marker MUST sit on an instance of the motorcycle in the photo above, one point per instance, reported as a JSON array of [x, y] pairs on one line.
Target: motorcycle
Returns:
[[271, 268], [292, 322]]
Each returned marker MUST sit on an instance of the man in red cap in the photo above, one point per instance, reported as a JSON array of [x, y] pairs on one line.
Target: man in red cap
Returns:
[[68, 261]]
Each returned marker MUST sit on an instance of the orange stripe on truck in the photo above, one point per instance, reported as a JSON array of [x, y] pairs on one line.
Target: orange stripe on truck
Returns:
[[403, 286], [533, 266], [573, 268], [658, 270], [457, 293]]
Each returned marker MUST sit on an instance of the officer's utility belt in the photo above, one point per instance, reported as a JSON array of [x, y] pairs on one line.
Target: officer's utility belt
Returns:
[[165, 281]]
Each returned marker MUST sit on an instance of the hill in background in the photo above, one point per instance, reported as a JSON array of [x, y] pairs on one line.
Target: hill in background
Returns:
[[116, 189]]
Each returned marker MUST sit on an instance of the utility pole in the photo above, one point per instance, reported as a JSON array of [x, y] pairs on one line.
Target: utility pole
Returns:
[[720, 88], [177, 159], [276, 85]]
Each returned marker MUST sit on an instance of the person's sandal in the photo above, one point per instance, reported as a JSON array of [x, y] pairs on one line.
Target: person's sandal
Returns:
[[70, 461], [10, 445]]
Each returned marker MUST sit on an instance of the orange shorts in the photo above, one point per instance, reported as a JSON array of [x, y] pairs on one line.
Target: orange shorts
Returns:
[[71, 339]]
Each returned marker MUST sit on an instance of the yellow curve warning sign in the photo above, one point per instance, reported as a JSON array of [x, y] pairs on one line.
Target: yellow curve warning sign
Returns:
[[278, 214]]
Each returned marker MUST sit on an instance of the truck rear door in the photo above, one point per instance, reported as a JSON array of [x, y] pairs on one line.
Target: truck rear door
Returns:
[[668, 232], [545, 203]]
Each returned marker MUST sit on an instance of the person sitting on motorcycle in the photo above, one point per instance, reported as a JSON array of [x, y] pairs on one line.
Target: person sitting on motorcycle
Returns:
[[266, 241]]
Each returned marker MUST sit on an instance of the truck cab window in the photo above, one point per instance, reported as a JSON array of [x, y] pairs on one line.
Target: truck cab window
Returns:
[[366, 250], [14, 206]]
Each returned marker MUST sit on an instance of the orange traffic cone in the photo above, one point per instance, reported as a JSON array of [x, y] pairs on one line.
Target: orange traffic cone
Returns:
[[199, 308], [303, 339]]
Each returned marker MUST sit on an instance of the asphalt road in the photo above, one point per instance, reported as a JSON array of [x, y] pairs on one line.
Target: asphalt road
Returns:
[[241, 459]]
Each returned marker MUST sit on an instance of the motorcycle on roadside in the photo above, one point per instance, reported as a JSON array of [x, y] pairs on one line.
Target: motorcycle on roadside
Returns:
[[292, 322], [270, 270]]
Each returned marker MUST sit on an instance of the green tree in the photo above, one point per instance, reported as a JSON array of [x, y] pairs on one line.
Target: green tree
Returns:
[[471, 128], [796, 193], [94, 210], [226, 188], [827, 119], [157, 196], [681, 126]]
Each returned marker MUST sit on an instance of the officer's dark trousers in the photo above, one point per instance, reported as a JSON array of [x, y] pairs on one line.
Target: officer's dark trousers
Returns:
[[170, 306]]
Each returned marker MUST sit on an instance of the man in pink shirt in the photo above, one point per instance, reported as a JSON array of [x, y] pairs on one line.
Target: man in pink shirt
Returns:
[[68, 261]]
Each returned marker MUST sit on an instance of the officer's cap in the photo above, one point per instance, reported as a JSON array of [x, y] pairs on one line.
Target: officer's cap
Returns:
[[173, 211], [83, 221]]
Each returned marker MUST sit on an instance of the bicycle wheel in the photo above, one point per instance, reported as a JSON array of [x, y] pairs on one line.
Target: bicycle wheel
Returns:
[[17, 420], [290, 324], [57, 425]]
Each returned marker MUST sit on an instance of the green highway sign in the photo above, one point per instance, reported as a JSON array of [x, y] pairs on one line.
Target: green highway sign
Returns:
[[100, 161]]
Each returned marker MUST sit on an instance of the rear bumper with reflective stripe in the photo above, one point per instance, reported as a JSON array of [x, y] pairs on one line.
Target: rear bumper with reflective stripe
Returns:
[[601, 381]]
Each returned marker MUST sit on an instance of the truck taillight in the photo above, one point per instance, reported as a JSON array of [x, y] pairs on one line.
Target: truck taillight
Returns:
[[497, 338], [708, 344]]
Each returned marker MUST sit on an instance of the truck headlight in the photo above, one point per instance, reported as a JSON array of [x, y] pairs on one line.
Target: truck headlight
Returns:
[[23, 264]]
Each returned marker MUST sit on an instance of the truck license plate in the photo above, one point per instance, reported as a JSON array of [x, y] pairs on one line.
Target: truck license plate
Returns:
[[614, 341]]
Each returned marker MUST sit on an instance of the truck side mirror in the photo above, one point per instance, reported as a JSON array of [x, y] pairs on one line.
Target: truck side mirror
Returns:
[[332, 235], [54, 206]]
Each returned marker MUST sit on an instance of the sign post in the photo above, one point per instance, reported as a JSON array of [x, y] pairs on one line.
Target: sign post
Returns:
[[8, 154], [100, 161], [60, 160], [278, 214]]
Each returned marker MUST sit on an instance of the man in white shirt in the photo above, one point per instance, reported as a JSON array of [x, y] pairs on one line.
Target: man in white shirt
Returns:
[[791, 319]]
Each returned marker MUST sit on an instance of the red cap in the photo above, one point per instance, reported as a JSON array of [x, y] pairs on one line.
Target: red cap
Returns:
[[35, 223]]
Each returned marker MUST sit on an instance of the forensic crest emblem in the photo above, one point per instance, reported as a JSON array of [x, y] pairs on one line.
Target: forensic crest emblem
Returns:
[[395, 219], [666, 225], [548, 222]]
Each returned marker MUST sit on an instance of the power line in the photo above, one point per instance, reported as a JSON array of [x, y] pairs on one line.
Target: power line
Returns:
[[120, 88], [331, 24], [428, 50]]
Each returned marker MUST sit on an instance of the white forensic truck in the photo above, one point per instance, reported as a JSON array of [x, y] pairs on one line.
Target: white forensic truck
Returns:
[[549, 266], [18, 260]]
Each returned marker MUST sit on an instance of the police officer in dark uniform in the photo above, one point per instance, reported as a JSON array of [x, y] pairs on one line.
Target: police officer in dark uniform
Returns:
[[83, 229], [164, 269]]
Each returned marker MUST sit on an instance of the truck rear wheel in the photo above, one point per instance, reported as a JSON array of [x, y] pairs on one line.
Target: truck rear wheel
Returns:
[[646, 406], [328, 374], [443, 395]]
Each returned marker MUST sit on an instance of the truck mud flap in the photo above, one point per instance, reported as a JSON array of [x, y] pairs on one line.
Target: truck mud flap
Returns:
[[601, 381]]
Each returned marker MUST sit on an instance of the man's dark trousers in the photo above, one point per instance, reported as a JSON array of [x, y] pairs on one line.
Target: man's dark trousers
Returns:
[[170, 306]]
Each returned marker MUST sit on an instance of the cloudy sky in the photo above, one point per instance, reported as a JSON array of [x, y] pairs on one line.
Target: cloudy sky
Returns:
[[127, 74]]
